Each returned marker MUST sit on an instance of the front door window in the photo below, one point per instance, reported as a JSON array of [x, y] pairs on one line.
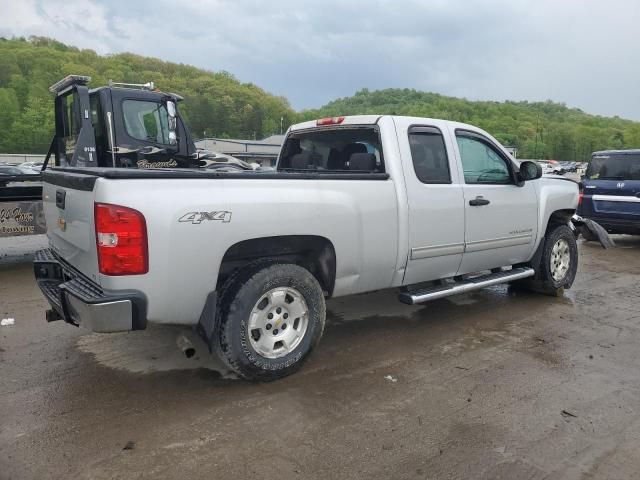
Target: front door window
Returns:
[[481, 162]]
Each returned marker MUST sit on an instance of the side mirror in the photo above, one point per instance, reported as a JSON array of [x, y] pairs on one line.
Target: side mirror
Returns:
[[173, 122], [529, 171]]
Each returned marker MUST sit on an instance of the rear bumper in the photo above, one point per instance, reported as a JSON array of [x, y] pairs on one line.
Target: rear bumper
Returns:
[[81, 302]]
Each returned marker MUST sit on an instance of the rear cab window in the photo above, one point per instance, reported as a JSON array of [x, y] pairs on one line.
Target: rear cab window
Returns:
[[348, 149], [614, 166]]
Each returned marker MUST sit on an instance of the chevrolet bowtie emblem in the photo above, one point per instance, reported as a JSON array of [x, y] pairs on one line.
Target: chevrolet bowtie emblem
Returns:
[[62, 224]]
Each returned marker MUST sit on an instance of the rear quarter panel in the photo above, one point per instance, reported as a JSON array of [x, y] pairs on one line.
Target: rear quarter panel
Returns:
[[358, 216]]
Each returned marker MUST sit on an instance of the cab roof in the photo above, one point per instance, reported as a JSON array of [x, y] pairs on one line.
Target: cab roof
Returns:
[[374, 119]]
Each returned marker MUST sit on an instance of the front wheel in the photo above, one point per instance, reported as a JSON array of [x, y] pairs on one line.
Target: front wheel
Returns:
[[270, 317], [558, 262]]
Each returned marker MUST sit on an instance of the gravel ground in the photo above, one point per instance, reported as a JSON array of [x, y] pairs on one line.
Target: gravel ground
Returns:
[[492, 384]]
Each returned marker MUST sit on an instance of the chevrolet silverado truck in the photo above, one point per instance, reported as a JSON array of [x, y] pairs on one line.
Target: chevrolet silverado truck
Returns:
[[356, 204]]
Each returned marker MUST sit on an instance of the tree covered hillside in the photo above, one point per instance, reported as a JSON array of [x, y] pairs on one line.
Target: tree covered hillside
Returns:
[[216, 104], [539, 129]]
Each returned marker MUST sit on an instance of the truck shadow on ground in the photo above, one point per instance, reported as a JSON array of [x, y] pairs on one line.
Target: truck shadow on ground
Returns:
[[359, 328]]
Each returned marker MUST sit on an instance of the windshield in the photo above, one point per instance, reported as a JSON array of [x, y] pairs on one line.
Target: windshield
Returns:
[[621, 166]]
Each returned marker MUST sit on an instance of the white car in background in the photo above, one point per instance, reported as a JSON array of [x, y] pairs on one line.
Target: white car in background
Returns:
[[30, 168], [550, 167]]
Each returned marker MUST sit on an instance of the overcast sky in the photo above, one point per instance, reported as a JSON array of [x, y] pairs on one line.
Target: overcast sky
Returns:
[[585, 53]]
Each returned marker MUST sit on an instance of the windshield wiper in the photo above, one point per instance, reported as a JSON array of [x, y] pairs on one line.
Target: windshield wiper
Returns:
[[611, 178]]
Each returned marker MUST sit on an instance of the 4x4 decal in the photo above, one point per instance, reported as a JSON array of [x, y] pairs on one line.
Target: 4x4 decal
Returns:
[[197, 218]]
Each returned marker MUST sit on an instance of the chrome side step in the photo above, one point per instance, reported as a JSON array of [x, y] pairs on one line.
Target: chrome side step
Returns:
[[411, 297]]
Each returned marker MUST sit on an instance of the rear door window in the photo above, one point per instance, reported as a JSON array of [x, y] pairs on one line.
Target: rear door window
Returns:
[[620, 166], [429, 155]]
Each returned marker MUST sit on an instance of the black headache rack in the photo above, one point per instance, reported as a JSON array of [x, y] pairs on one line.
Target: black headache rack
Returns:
[[91, 128], [76, 115]]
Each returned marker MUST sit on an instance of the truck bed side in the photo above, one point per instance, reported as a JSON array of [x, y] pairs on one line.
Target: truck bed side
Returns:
[[192, 223]]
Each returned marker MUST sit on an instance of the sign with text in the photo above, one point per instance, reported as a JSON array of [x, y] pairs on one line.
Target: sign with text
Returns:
[[21, 218]]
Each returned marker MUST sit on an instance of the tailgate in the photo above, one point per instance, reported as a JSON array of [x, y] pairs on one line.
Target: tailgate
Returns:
[[68, 210]]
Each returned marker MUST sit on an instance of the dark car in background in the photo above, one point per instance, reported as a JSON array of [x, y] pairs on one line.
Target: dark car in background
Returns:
[[611, 191], [6, 172]]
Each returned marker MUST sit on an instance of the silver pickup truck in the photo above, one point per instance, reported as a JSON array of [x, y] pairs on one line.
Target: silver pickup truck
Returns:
[[360, 203]]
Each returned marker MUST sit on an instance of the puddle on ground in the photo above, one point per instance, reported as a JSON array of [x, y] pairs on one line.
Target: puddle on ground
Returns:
[[151, 350]]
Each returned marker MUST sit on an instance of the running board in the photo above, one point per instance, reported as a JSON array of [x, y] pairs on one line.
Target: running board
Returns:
[[411, 297]]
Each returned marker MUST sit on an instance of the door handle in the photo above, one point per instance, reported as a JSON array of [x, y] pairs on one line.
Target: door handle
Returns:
[[479, 201], [60, 199]]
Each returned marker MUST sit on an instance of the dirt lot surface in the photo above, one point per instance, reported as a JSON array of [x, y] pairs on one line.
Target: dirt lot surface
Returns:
[[494, 384]]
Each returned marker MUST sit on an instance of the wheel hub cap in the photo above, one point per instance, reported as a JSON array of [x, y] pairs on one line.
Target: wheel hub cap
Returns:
[[560, 259], [278, 322]]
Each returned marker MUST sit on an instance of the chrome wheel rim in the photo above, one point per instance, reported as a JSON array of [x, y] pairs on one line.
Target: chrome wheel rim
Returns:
[[278, 322], [560, 259]]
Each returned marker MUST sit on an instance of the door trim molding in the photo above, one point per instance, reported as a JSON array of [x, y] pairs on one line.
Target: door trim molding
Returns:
[[437, 251], [418, 253], [502, 242]]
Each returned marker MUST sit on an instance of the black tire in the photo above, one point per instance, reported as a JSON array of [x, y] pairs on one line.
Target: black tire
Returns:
[[544, 281], [239, 296]]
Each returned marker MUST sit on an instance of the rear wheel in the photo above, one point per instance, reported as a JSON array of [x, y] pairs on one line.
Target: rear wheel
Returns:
[[270, 317]]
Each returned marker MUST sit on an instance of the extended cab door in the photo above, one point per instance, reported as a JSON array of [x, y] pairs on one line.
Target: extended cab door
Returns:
[[435, 201], [500, 216]]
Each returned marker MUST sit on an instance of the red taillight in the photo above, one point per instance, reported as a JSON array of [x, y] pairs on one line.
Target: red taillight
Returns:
[[121, 237], [329, 121], [580, 196]]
